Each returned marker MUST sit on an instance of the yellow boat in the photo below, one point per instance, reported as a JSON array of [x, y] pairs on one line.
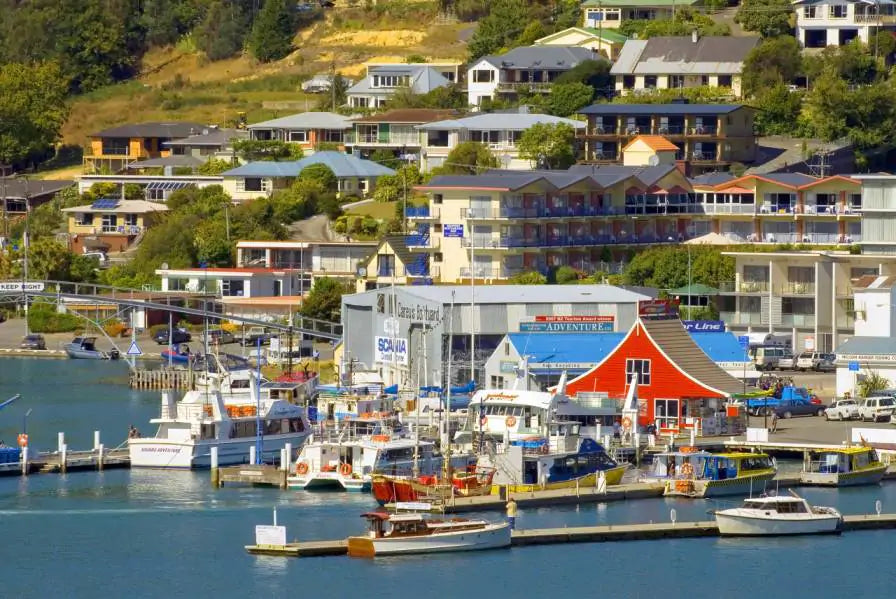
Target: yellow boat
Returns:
[[613, 477], [724, 474], [843, 467]]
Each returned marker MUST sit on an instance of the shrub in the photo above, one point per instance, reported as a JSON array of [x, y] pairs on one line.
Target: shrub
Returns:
[[43, 318], [115, 328]]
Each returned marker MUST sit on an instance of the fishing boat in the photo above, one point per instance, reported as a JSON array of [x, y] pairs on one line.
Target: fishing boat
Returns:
[[189, 428], [674, 465], [843, 467], [723, 474], [408, 534], [778, 515], [84, 348], [348, 452]]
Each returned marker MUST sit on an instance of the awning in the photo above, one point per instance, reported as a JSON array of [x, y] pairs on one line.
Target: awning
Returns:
[[167, 185]]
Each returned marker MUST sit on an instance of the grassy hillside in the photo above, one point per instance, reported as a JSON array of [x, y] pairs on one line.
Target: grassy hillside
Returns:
[[181, 84]]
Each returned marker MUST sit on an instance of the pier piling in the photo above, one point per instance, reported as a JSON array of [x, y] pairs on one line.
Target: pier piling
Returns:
[[251, 454], [62, 457], [288, 461], [25, 461], [160, 379], [96, 440], [99, 454], [216, 480], [61, 442]]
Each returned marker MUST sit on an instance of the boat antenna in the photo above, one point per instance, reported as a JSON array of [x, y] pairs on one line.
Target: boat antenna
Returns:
[[447, 406]]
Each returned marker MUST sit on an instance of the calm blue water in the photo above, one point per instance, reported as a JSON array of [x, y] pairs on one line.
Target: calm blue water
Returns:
[[168, 534]]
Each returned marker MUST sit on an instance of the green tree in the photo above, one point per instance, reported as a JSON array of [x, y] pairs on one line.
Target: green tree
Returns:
[[685, 22], [324, 301], [467, 158], [595, 73], [825, 110], [394, 188], [775, 61], [567, 99], [778, 110], [530, 277], [32, 110], [533, 31], [548, 145], [251, 150], [320, 176], [566, 274], [215, 166], [272, 33], [870, 382], [223, 29], [666, 267], [165, 21], [505, 22], [769, 18]]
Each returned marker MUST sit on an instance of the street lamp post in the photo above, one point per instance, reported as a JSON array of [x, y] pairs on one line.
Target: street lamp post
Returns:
[[25, 243]]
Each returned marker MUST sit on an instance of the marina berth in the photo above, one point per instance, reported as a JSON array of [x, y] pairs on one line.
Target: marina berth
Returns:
[[190, 428], [778, 515], [724, 474], [843, 467]]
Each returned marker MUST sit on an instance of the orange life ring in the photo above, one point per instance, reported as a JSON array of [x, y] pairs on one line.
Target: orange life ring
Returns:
[[511, 420], [626, 422], [687, 469], [345, 469], [23, 440], [302, 468]]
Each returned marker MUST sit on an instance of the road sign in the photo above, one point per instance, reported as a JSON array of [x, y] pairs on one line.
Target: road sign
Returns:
[[744, 341], [134, 350], [853, 366], [452, 230], [20, 286]]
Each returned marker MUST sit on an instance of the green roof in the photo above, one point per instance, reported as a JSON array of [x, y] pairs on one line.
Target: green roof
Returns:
[[614, 3], [606, 34]]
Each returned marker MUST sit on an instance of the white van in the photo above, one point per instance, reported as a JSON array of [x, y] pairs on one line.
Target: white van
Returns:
[[766, 357], [100, 256], [770, 339]]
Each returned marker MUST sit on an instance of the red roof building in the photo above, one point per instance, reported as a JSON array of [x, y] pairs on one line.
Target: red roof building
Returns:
[[675, 378]]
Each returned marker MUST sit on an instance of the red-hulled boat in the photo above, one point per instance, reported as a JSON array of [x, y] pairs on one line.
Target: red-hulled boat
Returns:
[[465, 483]]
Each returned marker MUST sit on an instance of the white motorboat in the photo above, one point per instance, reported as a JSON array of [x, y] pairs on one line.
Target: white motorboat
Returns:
[[345, 455], [778, 515], [201, 420], [408, 534]]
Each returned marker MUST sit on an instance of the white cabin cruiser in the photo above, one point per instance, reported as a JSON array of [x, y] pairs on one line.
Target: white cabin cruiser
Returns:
[[189, 428], [778, 515]]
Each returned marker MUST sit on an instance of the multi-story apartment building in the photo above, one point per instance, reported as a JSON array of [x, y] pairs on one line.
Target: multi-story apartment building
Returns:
[[821, 23], [527, 69], [708, 136], [675, 62], [878, 208]]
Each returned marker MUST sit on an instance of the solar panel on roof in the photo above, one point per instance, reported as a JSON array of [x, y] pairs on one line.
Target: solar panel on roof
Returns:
[[104, 204]]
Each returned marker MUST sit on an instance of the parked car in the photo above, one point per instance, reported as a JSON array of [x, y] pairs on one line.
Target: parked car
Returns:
[[33, 342], [218, 337], [842, 409], [766, 357], [827, 363], [808, 360], [877, 409], [798, 407], [179, 335], [786, 361], [253, 334]]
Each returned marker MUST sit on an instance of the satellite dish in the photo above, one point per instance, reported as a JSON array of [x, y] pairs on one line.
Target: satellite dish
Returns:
[[362, 272], [164, 266], [654, 160]]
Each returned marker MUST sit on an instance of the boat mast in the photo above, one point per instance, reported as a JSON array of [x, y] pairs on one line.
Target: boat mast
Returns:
[[447, 407], [416, 468], [256, 384]]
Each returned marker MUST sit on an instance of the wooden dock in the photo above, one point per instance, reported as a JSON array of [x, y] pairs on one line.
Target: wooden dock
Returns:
[[263, 475], [579, 534], [161, 378]]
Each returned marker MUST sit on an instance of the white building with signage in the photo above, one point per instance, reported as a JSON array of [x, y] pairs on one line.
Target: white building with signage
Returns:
[[405, 331], [873, 348]]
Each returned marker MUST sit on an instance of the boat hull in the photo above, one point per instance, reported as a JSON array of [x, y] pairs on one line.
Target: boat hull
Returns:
[[492, 536], [613, 477], [329, 481], [743, 485], [391, 489], [81, 354], [866, 476], [164, 453], [732, 523]]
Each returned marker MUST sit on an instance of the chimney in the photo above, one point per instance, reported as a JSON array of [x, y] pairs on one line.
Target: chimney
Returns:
[[694, 36]]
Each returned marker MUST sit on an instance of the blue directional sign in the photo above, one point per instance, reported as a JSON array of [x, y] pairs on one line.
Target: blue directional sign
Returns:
[[134, 350], [452, 230], [744, 341], [853, 366]]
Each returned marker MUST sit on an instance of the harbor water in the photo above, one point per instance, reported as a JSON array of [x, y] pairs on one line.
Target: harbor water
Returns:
[[150, 533]]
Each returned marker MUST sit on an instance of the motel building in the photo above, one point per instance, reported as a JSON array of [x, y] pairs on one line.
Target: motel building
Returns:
[[678, 384]]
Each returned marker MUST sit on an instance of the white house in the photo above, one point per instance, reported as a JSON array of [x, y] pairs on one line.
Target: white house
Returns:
[[500, 131], [821, 23], [310, 259], [381, 81], [306, 129], [528, 68], [231, 282]]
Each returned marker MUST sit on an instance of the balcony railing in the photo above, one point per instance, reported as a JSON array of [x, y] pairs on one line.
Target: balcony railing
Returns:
[[507, 242], [604, 156], [729, 208], [669, 130], [876, 19], [752, 287], [540, 212], [480, 272], [119, 229], [513, 86], [795, 288], [703, 157], [389, 140], [601, 130], [420, 240], [798, 320], [703, 130], [741, 318]]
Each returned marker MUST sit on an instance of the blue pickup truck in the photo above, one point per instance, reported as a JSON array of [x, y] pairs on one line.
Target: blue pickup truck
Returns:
[[794, 397]]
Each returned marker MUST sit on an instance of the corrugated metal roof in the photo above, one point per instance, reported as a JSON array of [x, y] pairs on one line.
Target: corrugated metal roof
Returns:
[[307, 120], [492, 121], [545, 57], [720, 347], [682, 55], [639, 3], [712, 179], [672, 338], [660, 109], [342, 165], [172, 130], [408, 115], [16, 188], [521, 294], [210, 137], [422, 79]]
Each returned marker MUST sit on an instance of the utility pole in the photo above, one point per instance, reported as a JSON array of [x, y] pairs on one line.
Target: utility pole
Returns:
[[25, 243], [333, 84]]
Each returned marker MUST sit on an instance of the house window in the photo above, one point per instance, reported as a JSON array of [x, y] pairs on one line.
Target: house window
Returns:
[[110, 223], [300, 136], [665, 412], [650, 81], [676, 81], [837, 11], [513, 137], [485, 136], [15, 206], [639, 367], [232, 287], [116, 146], [436, 198], [483, 76], [810, 12], [390, 80], [437, 257], [130, 220], [333, 135], [385, 265], [724, 80], [253, 184], [84, 219], [628, 81], [704, 79]]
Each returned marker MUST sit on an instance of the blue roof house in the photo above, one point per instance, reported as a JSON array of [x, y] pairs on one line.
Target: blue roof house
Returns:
[[354, 175]]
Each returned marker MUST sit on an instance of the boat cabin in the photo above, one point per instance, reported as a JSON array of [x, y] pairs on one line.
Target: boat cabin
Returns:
[[734, 465], [842, 461], [676, 464], [85, 343], [781, 505], [414, 525]]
